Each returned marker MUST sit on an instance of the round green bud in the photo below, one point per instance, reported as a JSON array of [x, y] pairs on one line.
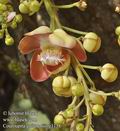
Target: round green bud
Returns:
[[79, 127], [9, 40], [24, 7], [117, 30], [59, 120], [91, 42], [77, 89], [1, 34], [18, 18], [3, 7], [61, 82], [13, 24], [72, 80], [97, 99], [34, 6], [109, 72], [4, 1], [69, 112], [25, 104], [97, 110]]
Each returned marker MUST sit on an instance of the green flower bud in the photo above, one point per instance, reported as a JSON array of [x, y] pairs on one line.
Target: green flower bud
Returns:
[[1, 34], [61, 82], [13, 24], [97, 99], [91, 42], [79, 127], [10, 8], [25, 104], [69, 112], [59, 120], [72, 80], [24, 7], [117, 30], [3, 7], [77, 89], [97, 110], [18, 18], [109, 72], [34, 6], [9, 40]]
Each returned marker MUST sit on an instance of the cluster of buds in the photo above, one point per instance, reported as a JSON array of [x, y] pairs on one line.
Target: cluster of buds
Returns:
[[97, 102], [15, 67], [29, 6], [117, 31], [8, 18], [67, 86]]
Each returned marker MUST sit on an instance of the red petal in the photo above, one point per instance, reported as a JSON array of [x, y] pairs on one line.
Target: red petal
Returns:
[[29, 43], [37, 70], [79, 52], [61, 66]]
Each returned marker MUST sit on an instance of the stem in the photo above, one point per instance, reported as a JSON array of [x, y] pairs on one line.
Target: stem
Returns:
[[79, 104], [55, 23], [88, 78], [73, 101], [66, 6], [86, 94], [104, 94], [92, 67], [74, 31]]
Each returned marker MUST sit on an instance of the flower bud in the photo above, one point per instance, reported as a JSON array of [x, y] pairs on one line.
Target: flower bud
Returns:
[[72, 80], [3, 7], [117, 30], [59, 120], [18, 18], [34, 6], [70, 112], [13, 24], [109, 72], [77, 89], [25, 104], [61, 82], [97, 99], [79, 127], [61, 86], [9, 40], [97, 110], [24, 7], [91, 42]]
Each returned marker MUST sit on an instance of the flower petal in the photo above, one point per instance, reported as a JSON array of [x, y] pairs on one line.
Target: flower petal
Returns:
[[39, 30], [29, 43], [38, 71], [62, 39], [62, 66], [10, 16], [79, 52]]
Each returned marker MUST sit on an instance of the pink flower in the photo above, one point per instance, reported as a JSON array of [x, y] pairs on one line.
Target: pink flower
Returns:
[[52, 51]]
